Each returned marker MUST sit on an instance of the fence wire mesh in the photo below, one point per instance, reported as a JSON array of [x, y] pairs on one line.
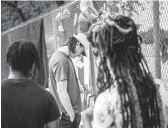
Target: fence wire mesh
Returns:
[[146, 29], [144, 19]]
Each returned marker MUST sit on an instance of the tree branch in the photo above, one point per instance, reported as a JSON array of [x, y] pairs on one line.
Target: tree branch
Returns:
[[15, 8], [59, 3]]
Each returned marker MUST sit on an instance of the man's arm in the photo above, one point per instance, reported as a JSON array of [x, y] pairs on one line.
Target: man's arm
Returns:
[[65, 99], [82, 86]]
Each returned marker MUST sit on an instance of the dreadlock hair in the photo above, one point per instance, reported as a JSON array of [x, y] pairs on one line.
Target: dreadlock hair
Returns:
[[21, 56], [117, 42]]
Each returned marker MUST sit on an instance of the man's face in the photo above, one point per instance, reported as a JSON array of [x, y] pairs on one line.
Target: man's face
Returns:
[[79, 49]]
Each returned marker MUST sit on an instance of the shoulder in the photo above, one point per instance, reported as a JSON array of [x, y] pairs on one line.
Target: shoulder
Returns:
[[46, 95], [109, 96], [7, 82], [63, 61], [61, 64], [49, 95], [42, 90], [58, 60], [4, 81], [107, 108], [46, 92], [58, 56]]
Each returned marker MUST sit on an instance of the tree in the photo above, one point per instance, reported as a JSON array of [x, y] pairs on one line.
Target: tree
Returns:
[[126, 7], [16, 12]]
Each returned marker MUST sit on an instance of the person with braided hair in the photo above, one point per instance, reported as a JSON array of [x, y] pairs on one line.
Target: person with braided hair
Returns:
[[128, 96], [24, 103]]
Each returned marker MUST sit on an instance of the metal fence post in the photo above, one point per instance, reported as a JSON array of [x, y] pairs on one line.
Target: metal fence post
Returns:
[[156, 34]]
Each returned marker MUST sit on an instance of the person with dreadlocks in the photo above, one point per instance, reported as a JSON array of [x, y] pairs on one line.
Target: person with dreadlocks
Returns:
[[25, 104], [128, 96]]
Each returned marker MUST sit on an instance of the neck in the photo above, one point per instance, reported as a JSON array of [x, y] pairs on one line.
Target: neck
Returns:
[[66, 51], [17, 75], [72, 55]]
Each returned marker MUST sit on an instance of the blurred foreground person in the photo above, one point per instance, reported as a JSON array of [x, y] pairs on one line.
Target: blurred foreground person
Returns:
[[24, 104], [128, 96]]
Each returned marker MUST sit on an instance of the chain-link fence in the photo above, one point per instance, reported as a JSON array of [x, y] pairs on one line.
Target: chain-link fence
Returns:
[[144, 19]]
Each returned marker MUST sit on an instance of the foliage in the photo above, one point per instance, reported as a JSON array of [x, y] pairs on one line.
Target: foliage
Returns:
[[16, 12], [123, 7]]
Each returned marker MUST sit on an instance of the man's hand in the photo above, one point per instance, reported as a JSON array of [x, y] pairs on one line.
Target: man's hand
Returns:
[[86, 90], [88, 113], [83, 89], [72, 117], [65, 99]]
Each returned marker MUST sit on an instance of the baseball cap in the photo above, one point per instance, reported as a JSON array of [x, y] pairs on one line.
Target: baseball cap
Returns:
[[164, 50], [83, 40]]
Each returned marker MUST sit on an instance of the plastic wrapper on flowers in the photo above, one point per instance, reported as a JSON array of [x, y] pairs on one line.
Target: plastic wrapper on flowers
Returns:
[[88, 10]]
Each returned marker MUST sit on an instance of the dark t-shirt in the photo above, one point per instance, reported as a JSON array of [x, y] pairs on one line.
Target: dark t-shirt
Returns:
[[24, 104]]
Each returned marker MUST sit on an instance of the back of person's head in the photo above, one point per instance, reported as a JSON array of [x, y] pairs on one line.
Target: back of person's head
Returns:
[[117, 42], [115, 36], [22, 56]]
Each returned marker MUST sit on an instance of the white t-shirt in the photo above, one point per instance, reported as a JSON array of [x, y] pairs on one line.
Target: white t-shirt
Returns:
[[109, 100]]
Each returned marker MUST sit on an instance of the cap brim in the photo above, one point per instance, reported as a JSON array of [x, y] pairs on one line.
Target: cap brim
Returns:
[[84, 54], [83, 40]]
